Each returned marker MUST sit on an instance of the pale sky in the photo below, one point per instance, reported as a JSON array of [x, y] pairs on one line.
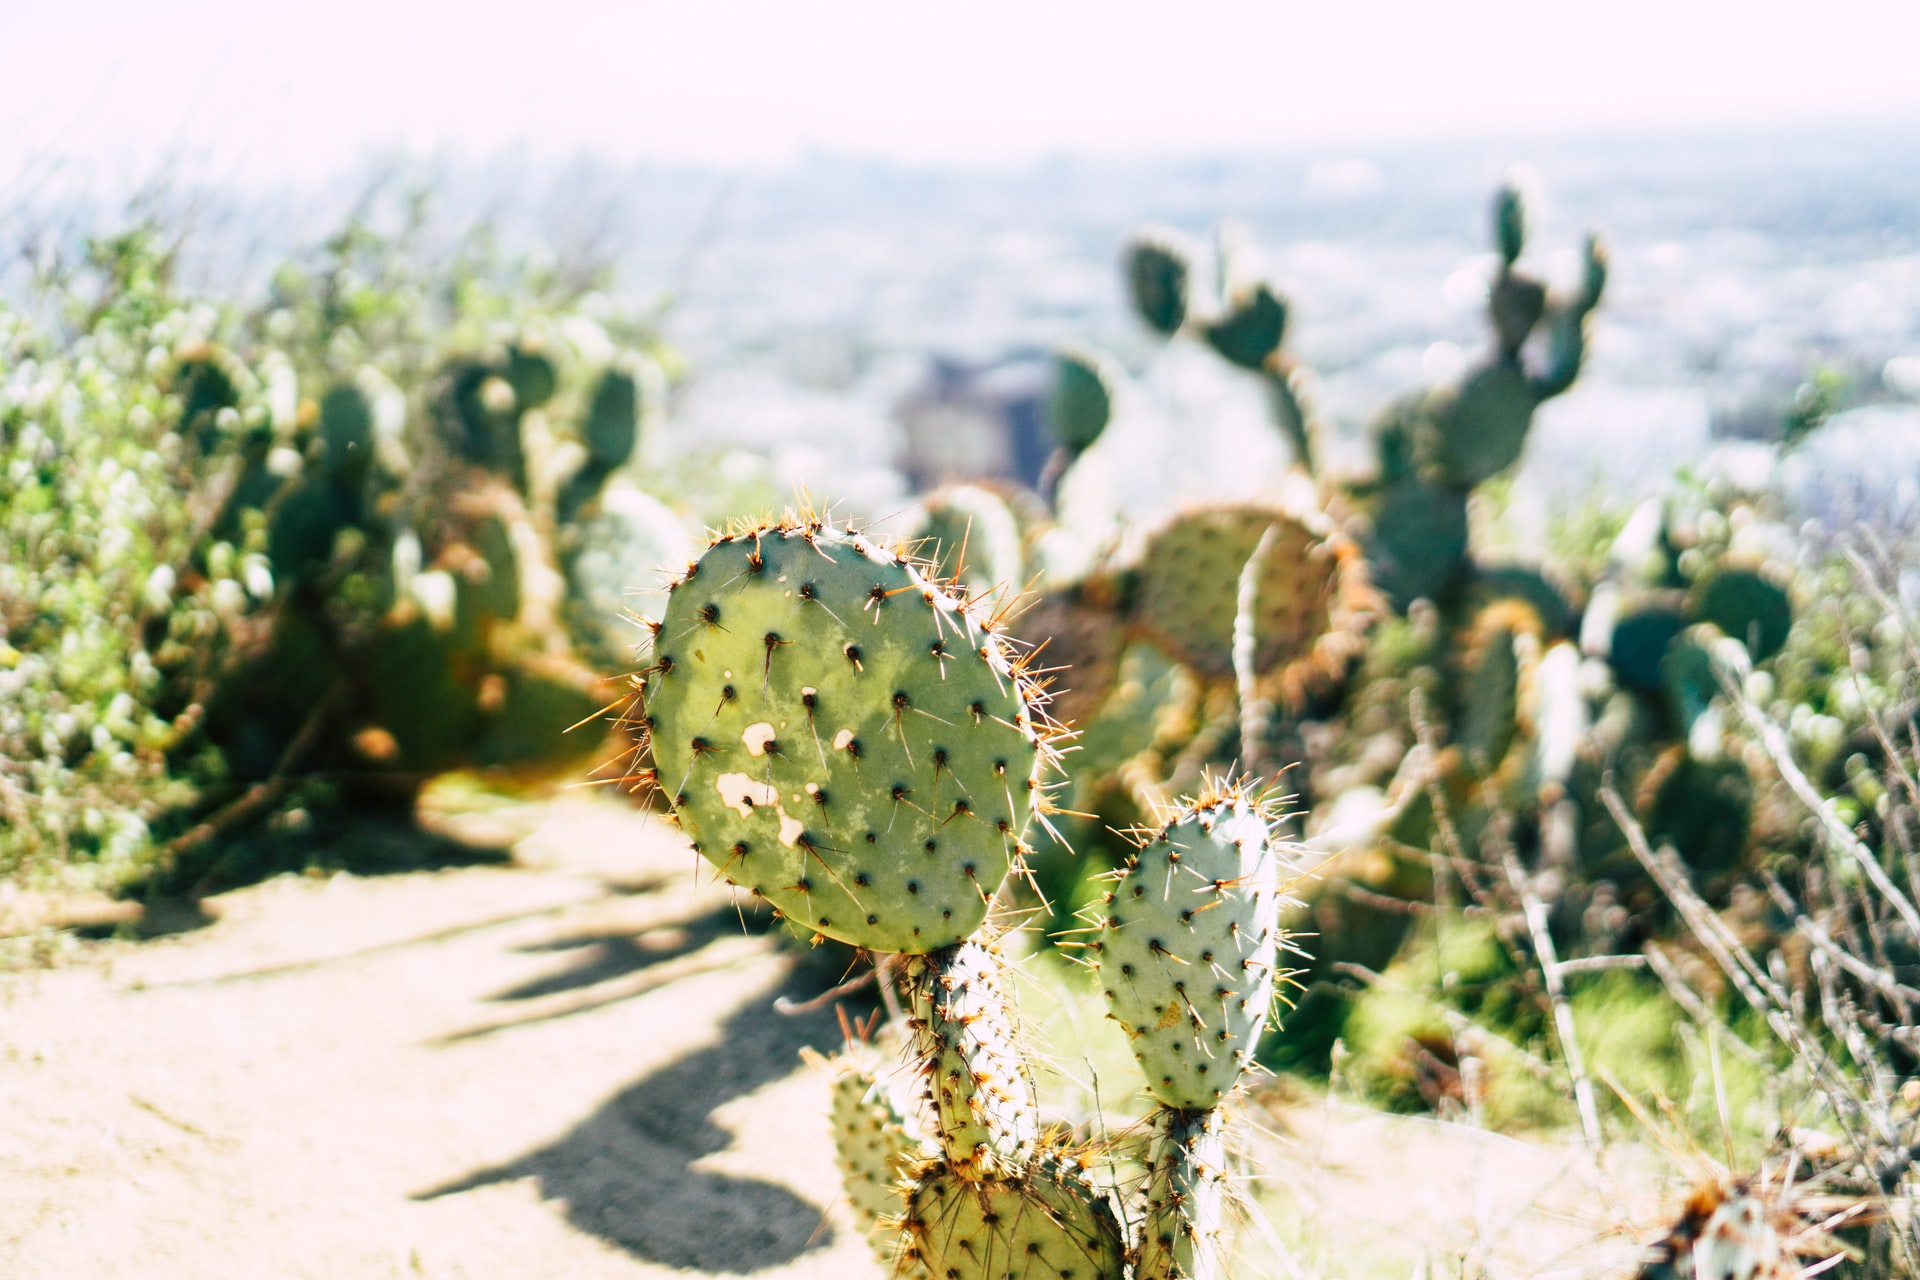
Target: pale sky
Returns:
[[258, 91]]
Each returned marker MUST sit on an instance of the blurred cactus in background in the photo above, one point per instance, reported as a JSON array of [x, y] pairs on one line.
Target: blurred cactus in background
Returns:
[[330, 548]]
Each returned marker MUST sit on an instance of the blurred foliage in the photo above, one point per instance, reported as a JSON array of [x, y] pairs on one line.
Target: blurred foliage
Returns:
[[275, 557]]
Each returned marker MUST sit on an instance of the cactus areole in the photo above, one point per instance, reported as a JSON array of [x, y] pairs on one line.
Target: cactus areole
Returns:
[[843, 736]]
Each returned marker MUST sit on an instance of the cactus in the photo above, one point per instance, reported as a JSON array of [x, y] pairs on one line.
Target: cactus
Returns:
[[1180, 1236], [843, 737], [1080, 402], [1250, 332], [986, 1118], [1158, 271], [1313, 601], [1417, 547], [617, 573], [1745, 604], [1189, 946], [849, 742]]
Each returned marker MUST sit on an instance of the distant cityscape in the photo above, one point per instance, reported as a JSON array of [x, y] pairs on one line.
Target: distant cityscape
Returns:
[[884, 326]]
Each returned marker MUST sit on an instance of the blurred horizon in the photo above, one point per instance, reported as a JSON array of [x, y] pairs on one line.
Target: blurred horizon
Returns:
[[757, 84]]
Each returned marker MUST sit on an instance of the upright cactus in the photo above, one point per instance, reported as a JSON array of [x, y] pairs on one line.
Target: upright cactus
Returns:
[[845, 739], [1188, 951]]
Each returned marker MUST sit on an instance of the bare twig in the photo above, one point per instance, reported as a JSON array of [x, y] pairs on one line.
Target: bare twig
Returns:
[[1548, 957]]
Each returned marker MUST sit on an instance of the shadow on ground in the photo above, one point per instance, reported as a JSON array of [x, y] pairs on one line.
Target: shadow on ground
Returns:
[[625, 1173], [603, 955]]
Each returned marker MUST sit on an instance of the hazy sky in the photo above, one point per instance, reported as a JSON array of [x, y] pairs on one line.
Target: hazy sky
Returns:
[[262, 91]]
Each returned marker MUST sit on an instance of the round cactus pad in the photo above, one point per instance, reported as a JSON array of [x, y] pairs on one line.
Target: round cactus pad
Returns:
[[842, 736]]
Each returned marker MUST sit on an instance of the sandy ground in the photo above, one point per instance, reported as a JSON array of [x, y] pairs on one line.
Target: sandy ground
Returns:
[[565, 1066]]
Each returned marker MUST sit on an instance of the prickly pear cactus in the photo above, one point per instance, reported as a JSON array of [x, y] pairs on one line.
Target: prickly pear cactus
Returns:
[[1190, 944], [843, 737], [1312, 599], [1187, 1192]]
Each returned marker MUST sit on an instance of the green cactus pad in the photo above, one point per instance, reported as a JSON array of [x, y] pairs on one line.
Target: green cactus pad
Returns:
[[1189, 944], [839, 735], [1252, 329], [972, 538], [1643, 630], [1746, 605], [1180, 1238], [1158, 273], [1691, 683], [545, 700], [986, 1119], [1080, 403], [1418, 546], [1510, 221], [1312, 601], [531, 374], [613, 420], [876, 1144], [1049, 1223], [302, 524], [1477, 431]]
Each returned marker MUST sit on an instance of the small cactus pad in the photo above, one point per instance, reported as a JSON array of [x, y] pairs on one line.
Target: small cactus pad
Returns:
[[1747, 605], [613, 420], [1312, 600], [876, 1145], [1080, 403], [985, 1116], [1252, 329], [1158, 275], [842, 736], [1049, 1223], [1510, 220], [1189, 944], [1643, 630], [1186, 1197]]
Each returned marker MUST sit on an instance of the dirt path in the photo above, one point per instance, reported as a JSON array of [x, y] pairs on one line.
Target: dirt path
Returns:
[[568, 1066]]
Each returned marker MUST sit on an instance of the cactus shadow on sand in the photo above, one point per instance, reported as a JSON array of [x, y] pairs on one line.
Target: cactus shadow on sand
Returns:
[[603, 955], [626, 1173]]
